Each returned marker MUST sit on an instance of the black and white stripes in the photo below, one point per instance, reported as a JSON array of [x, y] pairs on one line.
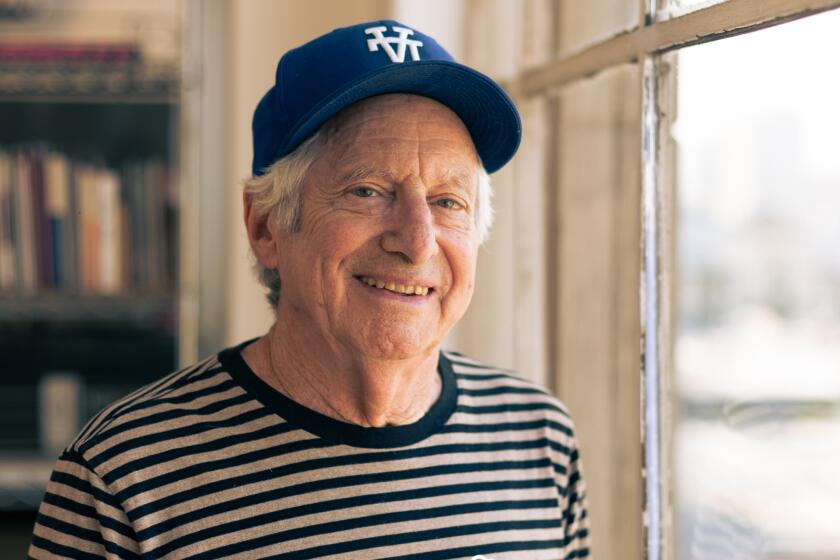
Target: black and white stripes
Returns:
[[210, 462]]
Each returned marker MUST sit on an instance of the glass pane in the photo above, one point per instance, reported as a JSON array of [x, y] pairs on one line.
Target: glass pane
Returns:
[[757, 355], [679, 7]]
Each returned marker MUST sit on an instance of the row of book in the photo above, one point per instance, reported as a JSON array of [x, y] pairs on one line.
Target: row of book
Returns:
[[62, 53], [81, 228]]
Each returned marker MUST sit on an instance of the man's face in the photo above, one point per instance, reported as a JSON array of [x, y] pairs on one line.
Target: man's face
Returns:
[[390, 203]]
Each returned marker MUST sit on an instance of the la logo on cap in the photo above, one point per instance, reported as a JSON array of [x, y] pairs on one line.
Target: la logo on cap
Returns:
[[401, 40]]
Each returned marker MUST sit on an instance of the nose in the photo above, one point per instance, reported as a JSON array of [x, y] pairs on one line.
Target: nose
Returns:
[[411, 229]]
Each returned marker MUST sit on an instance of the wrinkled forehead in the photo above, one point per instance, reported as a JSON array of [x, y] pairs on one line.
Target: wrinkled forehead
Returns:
[[393, 129]]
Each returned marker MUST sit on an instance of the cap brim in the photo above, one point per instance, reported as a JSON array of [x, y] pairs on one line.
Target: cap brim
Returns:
[[486, 110]]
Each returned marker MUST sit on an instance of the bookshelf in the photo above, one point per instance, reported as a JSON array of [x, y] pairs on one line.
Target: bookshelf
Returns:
[[90, 224]]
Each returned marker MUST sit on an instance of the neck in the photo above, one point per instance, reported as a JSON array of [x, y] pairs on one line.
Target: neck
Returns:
[[356, 389]]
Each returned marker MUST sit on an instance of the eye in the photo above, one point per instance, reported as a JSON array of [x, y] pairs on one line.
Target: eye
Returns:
[[448, 203], [364, 192]]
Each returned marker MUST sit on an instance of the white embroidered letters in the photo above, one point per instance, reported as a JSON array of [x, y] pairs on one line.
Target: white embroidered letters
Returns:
[[387, 43]]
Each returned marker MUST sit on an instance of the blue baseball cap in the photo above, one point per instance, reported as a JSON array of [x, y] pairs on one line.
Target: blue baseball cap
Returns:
[[320, 78]]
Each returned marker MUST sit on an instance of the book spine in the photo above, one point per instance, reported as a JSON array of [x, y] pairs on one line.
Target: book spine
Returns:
[[141, 227], [55, 175], [25, 225], [40, 220], [70, 233], [86, 227], [132, 195], [94, 230], [154, 221], [7, 265], [12, 228], [109, 232]]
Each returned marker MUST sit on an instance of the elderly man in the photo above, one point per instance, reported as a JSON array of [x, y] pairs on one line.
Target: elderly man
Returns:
[[344, 432]]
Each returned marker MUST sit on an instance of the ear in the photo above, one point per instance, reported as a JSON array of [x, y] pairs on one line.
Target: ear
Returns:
[[262, 235]]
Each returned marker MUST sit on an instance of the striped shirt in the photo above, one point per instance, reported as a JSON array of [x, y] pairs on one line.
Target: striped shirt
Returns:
[[211, 462]]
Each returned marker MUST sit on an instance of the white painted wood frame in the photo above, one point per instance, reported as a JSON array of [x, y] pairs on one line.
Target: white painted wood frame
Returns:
[[716, 22], [639, 523]]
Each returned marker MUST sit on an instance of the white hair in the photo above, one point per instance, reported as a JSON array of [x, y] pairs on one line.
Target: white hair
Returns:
[[277, 194]]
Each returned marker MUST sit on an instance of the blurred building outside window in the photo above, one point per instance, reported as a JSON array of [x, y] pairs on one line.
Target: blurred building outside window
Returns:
[[757, 338]]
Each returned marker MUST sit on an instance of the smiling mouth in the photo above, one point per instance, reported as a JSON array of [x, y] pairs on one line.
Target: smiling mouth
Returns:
[[407, 290]]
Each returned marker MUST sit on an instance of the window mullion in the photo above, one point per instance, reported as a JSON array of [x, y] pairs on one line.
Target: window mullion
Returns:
[[719, 21], [657, 275], [650, 316]]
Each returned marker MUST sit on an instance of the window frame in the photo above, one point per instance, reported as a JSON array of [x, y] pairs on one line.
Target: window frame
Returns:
[[653, 44]]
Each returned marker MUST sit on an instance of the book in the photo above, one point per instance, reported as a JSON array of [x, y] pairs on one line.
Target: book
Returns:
[[26, 261], [57, 184], [7, 239], [76, 227], [110, 229], [40, 221], [63, 53]]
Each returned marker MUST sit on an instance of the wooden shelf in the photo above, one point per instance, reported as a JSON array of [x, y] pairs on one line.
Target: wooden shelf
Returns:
[[122, 83]]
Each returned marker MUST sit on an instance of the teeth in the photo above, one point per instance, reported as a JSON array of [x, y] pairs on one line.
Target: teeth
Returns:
[[397, 288]]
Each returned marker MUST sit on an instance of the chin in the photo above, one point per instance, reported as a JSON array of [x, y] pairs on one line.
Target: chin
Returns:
[[393, 338], [398, 348]]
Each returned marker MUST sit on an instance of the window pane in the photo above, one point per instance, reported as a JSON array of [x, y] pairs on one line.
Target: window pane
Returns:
[[680, 7], [757, 355]]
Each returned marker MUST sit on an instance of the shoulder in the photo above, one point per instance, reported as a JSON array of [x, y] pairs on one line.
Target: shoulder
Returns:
[[478, 379], [168, 401], [502, 400], [486, 389]]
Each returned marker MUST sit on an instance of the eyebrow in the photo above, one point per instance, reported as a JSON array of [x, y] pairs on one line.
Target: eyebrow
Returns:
[[366, 171], [461, 180]]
